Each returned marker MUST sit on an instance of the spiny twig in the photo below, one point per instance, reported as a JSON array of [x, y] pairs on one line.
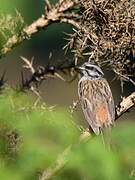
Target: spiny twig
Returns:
[[39, 74], [28, 64], [51, 15], [124, 77]]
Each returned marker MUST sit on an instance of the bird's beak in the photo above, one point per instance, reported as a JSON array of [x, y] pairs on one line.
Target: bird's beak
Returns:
[[79, 68]]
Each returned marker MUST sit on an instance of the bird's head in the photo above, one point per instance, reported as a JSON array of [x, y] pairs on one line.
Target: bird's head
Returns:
[[90, 71]]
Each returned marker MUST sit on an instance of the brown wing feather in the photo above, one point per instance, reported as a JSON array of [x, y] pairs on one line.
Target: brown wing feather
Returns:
[[108, 98], [90, 115], [97, 103]]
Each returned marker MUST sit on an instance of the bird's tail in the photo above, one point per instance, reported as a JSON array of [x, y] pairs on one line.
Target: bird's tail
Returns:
[[106, 138]]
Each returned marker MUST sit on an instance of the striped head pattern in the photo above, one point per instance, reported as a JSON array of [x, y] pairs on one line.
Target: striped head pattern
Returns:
[[91, 71]]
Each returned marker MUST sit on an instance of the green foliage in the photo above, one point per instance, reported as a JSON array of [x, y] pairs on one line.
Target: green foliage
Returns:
[[10, 25], [33, 136], [94, 160]]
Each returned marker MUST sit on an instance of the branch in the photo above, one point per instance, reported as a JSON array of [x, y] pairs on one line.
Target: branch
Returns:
[[61, 161], [51, 15], [59, 164], [39, 74], [28, 64], [125, 105]]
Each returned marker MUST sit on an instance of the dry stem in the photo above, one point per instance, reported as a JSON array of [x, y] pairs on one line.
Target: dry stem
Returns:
[[52, 14], [125, 105]]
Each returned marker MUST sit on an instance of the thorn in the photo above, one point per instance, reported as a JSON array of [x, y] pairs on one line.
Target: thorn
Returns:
[[59, 76], [28, 64], [48, 5], [34, 90], [50, 55]]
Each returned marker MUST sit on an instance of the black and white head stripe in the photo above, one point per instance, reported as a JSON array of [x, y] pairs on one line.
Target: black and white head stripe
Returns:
[[95, 68], [92, 71]]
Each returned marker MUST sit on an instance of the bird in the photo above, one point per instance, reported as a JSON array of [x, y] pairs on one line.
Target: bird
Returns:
[[96, 98]]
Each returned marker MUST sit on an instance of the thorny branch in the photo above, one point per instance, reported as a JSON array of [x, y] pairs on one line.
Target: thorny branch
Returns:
[[51, 15], [40, 73]]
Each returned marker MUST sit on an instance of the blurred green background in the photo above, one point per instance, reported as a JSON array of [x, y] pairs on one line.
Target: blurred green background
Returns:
[[33, 137]]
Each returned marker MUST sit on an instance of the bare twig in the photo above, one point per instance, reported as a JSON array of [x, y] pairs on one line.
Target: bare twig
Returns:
[[40, 73], [59, 164], [72, 22], [28, 64], [124, 77], [125, 105], [48, 5]]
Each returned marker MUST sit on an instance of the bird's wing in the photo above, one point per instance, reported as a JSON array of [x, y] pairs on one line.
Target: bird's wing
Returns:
[[108, 98], [90, 116], [86, 96], [97, 103]]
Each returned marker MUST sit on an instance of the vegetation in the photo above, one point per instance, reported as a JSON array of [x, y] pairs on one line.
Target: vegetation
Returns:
[[38, 141], [34, 137]]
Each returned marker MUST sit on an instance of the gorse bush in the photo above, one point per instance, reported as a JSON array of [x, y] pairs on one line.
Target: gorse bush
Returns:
[[9, 26], [93, 160], [42, 142], [33, 136]]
